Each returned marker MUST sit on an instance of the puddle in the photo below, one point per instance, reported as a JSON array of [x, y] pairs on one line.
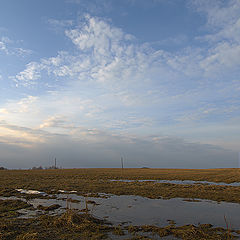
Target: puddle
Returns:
[[188, 182], [30, 191], [63, 191], [137, 210], [26, 213]]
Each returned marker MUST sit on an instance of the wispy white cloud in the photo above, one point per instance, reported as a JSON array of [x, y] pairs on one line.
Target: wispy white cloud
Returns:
[[59, 25], [221, 58], [28, 76], [8, 47], [222, 18], [22, 52], [54, 121], [3, 45], [223, 26], [24, 104], [118, 69], [20, 136], [179, 40]]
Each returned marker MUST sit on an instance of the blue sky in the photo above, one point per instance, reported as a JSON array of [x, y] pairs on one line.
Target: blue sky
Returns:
[[155, 81]]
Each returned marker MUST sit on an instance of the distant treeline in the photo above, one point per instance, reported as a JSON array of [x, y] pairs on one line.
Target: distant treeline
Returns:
[[36, 168], [41, 168]]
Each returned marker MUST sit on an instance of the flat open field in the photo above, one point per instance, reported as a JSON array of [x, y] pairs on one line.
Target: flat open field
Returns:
[[120, 204], [97, 180]]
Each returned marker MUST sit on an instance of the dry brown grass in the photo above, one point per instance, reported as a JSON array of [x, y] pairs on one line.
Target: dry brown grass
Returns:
[[71, 225], [93, 181]]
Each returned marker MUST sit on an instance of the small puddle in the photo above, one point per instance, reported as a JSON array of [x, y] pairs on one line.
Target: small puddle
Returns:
[[137, 210], [188, 182], [30, 191]]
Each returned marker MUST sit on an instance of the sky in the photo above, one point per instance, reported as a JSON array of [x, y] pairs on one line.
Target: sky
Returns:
[[156, 82]]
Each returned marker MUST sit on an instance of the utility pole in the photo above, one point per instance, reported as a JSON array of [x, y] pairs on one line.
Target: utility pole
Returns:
[[239, 160], [55, 163], [122, 162]]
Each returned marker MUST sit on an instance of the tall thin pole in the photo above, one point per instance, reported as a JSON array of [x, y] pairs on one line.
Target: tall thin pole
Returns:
[[122, 165], [122, 162], [239, 160], [55, 165]]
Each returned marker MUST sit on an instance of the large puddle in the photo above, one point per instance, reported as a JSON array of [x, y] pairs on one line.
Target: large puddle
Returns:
[[234, 184], [137, 210]]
